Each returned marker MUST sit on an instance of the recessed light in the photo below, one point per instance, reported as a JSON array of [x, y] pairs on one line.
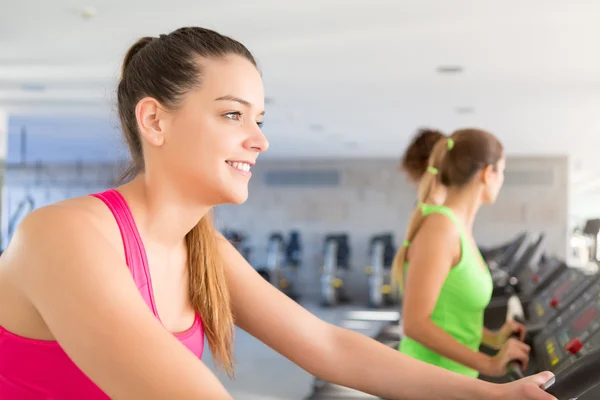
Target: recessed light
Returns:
[[465, 110], [87, 12], [449, 69]]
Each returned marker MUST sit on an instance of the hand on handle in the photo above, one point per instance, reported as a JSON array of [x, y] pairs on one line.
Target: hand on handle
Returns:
[[513, 350], [529, 388]]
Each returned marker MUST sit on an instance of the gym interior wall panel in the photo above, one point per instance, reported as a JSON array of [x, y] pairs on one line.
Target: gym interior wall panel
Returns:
[[373, 197], [41, 184]]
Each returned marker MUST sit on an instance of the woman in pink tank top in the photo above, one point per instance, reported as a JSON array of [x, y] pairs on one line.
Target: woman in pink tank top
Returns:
[[113, 295]]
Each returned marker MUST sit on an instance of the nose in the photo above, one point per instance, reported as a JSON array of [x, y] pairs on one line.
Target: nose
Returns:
[[257, 141]]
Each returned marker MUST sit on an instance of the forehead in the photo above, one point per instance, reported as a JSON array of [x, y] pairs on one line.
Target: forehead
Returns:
[[231, 76]]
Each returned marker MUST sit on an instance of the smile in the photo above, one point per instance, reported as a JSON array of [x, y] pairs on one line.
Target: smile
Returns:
[[240, 166]]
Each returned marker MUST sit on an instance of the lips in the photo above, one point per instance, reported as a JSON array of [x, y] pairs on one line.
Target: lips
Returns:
[[240, 165]]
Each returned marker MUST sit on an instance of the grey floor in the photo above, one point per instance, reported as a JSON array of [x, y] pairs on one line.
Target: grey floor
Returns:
[[261, 373]]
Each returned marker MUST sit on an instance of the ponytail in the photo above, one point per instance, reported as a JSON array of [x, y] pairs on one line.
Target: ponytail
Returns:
[[424, 191], [133, 51], [208, 291]]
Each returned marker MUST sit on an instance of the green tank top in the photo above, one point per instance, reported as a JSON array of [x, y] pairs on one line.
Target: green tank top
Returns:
[[459, 309]]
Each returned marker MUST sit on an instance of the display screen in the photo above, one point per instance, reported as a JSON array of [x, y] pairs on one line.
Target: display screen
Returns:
[[562, 288], [585, 318]]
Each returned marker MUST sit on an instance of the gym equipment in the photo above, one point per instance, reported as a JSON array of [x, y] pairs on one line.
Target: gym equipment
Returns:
[[25, 206], [568, 343], [293, 250], [504, 253], [551, 288], [506, 277], [278, 271], [538, 271], [238, 240], [585, 244], [579, 381], [383, 326], [562, 309], [381, 253], [336, 264]]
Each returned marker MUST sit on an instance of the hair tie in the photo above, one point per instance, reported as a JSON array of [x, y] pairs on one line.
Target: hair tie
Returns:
[[450, 144], [432, 170], [406, 243]]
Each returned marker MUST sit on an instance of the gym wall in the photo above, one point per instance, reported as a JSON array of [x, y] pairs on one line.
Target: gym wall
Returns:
[[360, 197], [367, 197]]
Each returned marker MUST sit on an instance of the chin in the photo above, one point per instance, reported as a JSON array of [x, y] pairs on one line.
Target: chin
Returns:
[[236, 197]]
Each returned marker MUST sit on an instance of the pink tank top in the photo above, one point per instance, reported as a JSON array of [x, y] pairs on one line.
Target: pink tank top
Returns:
[[36, 369]]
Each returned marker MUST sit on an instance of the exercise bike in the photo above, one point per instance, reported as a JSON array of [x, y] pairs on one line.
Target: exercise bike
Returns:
[[279, 271], [381, 252], [336, 263]]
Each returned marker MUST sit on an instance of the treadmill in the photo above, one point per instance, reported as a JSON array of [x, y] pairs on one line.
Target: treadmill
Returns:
[[533, 271], [568, 340], [506, 277], [503, 253]]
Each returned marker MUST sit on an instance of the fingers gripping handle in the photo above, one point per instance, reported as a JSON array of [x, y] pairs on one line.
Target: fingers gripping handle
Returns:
[[515, 368]]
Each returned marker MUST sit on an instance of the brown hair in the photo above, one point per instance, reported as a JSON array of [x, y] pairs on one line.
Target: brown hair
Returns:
[[415, 159], [454, 162], [166, 68]]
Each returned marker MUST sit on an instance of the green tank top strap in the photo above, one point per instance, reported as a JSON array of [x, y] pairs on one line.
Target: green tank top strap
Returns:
[[427, 209]]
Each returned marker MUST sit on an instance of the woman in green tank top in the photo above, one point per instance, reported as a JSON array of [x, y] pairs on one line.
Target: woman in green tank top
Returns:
[[445, 281]]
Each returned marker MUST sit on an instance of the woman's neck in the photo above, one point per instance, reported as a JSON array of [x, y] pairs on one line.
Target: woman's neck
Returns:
[[465, 203], [161, 214]]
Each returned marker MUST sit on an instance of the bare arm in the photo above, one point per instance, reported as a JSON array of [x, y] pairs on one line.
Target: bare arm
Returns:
[[490, 338], [425, 278], [334, 354], [85, 293]]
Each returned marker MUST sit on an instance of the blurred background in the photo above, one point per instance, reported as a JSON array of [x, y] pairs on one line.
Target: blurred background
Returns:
[[348, 83]]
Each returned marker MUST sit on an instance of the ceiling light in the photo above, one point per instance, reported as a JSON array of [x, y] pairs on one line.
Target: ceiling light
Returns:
[[87, 12], [449, 69], [465, 110]]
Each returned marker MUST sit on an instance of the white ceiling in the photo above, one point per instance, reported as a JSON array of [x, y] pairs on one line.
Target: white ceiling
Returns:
[[346, 77]]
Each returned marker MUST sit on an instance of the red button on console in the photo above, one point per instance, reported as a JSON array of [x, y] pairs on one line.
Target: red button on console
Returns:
[[574, 346], [554, 302]]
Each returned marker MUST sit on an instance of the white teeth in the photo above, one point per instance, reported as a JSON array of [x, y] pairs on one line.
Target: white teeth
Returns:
[[242, 166]]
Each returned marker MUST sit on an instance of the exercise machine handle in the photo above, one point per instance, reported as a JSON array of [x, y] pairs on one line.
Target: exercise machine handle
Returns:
[[515, 368], [577, 378]]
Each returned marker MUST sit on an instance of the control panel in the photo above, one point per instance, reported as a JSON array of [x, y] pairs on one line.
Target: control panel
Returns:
[[572, 333], [558, 295], [535, 277]]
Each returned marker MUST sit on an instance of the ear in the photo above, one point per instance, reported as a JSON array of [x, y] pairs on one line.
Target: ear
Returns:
[[150, 117], [487, 174]]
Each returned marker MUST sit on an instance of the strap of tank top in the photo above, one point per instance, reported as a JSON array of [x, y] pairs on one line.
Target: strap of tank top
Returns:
[[134, 255], [440, 209]]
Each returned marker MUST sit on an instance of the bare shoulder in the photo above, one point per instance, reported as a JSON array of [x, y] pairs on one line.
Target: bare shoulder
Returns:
[[61, 241], [61, 228], [437, 226]]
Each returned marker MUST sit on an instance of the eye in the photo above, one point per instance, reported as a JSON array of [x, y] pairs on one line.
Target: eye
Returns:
[[236, 115]]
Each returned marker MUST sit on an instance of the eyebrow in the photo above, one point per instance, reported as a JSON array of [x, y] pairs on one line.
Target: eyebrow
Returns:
[[236, 99]]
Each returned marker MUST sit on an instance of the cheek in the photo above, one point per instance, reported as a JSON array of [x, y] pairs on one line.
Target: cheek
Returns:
[[196, 138]]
